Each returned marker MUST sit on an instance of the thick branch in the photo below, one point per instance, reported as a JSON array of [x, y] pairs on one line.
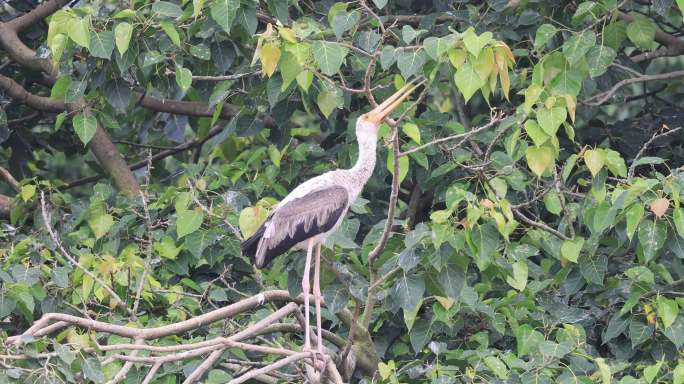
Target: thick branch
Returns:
[[9, 179], [673, 45], [5, 205], [37, 14]]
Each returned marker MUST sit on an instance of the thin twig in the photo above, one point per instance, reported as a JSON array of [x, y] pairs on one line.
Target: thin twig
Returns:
[[148, 232], [601, 98], [66, 255], [464, 135], [647, 144]]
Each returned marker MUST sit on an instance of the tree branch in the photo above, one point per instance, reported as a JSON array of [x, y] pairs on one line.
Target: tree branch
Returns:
[[601, 98], [673, 46], [9, 179]]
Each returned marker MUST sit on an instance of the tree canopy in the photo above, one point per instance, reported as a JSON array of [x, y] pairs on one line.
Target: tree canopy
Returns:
[[523, 223]]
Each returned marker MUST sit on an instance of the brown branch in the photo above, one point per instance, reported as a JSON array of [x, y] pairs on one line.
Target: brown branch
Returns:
[[37, 14], [235, 76], [21, 95], [156, 157], [673, 46], [6, 204], [9, 179], [271, 367], [601, 98]]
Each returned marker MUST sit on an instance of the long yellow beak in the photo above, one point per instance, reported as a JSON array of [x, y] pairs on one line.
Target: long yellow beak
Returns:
[[383, 110]]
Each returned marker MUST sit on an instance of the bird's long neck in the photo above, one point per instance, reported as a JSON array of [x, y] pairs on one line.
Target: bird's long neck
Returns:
[[363, 169]]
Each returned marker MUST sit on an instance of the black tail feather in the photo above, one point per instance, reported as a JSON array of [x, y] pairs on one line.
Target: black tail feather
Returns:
[[249, 246]]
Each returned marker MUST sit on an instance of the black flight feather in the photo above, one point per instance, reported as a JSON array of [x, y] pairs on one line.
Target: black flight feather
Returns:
[[301, 233]]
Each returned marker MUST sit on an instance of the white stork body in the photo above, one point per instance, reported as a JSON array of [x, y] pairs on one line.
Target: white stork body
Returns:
[[315, 208]]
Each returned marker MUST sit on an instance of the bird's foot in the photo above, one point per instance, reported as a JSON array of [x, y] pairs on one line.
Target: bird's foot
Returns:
[[319, 358]]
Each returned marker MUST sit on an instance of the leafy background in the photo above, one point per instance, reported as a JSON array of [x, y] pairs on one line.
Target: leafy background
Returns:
[[543, 247]]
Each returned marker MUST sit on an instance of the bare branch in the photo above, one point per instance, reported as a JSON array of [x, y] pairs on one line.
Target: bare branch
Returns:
[[11, 181], [235, 76], [465, 135], [601, 98]]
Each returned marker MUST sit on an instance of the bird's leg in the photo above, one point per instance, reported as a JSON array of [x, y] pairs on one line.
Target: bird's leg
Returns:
[[306, 289], [317, 298]]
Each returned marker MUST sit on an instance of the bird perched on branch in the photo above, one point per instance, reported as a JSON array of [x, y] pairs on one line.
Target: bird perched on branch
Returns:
[[314, 209]]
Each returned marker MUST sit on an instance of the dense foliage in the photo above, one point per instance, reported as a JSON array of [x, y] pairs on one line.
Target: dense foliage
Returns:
[[541, 242]]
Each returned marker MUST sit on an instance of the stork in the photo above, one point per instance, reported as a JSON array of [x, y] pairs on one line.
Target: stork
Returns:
[[315, 208]]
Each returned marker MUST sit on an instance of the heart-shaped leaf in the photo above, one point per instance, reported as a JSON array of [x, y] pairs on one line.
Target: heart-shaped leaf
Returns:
[[539, 159]]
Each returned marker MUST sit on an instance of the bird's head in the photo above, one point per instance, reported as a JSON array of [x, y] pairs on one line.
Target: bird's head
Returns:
[[368, 123]]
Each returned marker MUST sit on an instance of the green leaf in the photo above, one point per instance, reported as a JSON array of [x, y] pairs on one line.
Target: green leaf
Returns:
[[676, 332], [633, 217], [532, 94], [27, 191], [452, 279], [171, 32], [388, 56], [497, 366], [344, 21], [166, 247], [381, 3], [468, 81], [641, 31], [678, 372], [614, 34], [411, 130], [535, 132], [436, 47], [329, 56], [102, 44], [408, 290], [678, 218], [639, 332], [544, 33], [651, 371], [250, 219], [183, 78], [555, 350], [640, 274], [188, 221], [570, 249], [667, 310], [223, 12], [518, 280], [599, 58], [652, 236], [539, 159], [527, 339], [403, 165], [680, 4], [552, 202], [595, 159], [475, 43], [122, 36], [328, 100], [567, 82], [100, 222], [616, 326], [551, 119], [604, 370], [593, 267], [85, 127], [168, 9], [92, 370], [79, 31], [410, 62], [576, 48], [615, 163]]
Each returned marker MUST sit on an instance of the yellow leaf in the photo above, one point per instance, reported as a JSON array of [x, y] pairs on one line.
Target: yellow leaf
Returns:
[[595, 159], [539, 159], [660, 206], [446, 302], [269, 56], [571, 105], [287, 34]]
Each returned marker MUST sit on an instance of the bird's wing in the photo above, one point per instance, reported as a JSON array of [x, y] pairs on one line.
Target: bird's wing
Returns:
[[297, 220]]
